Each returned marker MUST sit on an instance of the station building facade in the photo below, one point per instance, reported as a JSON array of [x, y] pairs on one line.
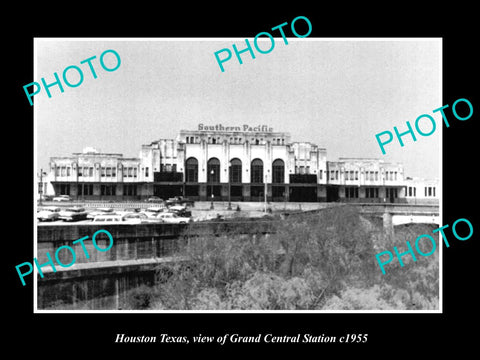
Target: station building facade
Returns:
[[237, 163]]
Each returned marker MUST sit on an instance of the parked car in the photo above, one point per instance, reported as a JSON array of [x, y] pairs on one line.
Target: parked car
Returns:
[[73, 214], [114, 218], [152, 212], [48, 213], [62, 198], [180, 210], [44, 197], [100, 211], [144, 219], [179, 200], [172, 218], [154, 199]]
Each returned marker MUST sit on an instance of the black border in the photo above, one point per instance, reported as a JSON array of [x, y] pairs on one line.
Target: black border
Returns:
[[392, 332]]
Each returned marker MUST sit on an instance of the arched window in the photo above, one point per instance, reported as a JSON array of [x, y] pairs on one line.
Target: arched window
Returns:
[[213, 170], [235, 171], [278, 171], [191, 170], [256, 171]]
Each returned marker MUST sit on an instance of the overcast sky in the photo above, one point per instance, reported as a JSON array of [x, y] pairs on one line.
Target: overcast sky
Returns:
[[336, 93]]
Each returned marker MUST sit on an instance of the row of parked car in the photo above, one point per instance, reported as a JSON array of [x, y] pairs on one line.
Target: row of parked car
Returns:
[[177, 200], [177, 214]]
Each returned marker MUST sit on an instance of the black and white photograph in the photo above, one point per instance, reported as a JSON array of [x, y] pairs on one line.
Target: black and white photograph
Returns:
[[261, 187], [218, 180]]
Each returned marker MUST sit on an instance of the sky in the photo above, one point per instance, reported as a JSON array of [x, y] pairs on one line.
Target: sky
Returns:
[[336, 93]]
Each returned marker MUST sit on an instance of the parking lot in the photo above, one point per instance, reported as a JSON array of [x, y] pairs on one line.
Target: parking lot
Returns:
[[197, 211]]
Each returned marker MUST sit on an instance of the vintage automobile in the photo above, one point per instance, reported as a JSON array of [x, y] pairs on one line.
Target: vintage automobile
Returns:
[[115, 219], [100, 211], [75, 213], [171, 218], [144, 219], [180, 210], [154, 199], [62, 198], [48, 213], [152, 212], [180, 200]]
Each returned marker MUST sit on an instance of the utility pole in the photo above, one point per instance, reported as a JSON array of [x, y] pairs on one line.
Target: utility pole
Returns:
[[211, 185], [229, 185], [41, 186], [265, 194]]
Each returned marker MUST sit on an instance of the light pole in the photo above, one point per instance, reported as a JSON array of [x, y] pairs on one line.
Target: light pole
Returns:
[[41, 186], [265, 194], [229, 185], [211, 186]]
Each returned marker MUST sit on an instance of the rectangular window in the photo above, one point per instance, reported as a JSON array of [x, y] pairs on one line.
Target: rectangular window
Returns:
[[174, 168], [79, 189], [351, 175], [376, 192], [146, 172], [103, 171], [129, 172], [336, 175], [80, 171], [90, 171], [425, 191], [62, 171], [429, 191], [88, 189], [395, 175], [414, 191], [356, 175], [307, 170], [320, 172], [134, 172], [114, 171], [109, 172], [57, 171], [376, 175], [68, 170], [433, 191], [409, 191]]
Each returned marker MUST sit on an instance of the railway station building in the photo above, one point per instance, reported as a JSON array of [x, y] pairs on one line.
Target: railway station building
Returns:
[[222, 163]]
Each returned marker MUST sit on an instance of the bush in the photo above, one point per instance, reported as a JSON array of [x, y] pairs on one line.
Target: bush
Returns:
[[140, 298], [313, 261]]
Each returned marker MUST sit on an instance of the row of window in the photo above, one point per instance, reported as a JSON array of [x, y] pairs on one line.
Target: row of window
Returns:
[[235, 173], [429, 191], [87, 189], [233, 140], [352, 192], [369, 175], [168, 167], [104, 171]]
